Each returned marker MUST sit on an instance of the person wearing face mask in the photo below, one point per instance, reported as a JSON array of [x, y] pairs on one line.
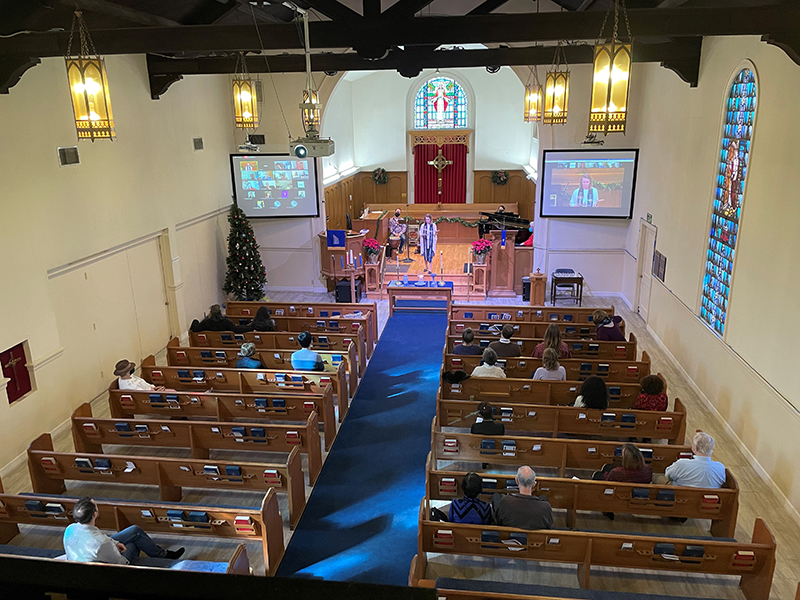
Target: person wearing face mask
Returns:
[[397, 229], [529, 241]]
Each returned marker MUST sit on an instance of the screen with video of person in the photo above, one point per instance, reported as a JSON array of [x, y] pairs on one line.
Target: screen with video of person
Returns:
[[275, 185], [588, 183]]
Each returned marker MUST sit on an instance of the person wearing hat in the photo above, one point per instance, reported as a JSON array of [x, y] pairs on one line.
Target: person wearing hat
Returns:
[[246, 360], [128, 381], [306, 359]]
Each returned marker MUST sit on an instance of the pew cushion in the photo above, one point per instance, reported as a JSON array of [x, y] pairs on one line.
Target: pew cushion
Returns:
[[521, 589]]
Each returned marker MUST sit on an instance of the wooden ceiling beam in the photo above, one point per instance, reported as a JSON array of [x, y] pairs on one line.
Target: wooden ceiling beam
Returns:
[[775, 21], [486, 7], [110, 9], [336, 11], [404, 9]]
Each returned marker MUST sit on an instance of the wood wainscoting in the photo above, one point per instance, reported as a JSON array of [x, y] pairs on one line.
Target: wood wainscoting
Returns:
[[351, 194], [519, 189]]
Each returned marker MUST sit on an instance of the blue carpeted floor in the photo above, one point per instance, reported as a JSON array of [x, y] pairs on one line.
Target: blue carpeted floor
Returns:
[[360, 523]]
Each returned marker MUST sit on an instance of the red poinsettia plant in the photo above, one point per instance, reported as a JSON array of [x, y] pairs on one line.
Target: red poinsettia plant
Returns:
[[371, 246], [481, 247]]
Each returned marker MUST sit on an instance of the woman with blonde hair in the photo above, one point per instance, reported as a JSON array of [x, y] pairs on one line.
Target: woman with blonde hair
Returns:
[[428, 234], [550, 369], [552, 339]]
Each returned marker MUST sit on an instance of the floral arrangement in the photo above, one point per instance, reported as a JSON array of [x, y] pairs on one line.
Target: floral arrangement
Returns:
[[380, 176], [500, 177], [371, 246], [481, 247]]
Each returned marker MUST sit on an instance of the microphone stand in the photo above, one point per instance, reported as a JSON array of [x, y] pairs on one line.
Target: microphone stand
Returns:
[[408, 258]]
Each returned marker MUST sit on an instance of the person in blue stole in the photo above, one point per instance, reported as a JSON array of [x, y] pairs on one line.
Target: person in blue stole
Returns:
[[428, 234]]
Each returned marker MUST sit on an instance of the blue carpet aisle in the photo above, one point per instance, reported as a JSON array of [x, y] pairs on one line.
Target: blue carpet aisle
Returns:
[[360, 523]]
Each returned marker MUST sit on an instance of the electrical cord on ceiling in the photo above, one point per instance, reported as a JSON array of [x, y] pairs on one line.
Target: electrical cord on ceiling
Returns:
[[271, 78], [28, 32]]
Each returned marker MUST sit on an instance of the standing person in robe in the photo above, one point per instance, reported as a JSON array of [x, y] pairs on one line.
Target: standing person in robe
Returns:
[[586, 194], [428, 233]]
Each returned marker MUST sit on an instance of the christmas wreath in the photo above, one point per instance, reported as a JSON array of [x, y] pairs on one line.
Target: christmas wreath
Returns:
[[500, 177], [380, 176]]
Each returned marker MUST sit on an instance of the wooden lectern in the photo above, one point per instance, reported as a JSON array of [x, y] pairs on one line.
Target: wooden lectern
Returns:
[[501, 265], [538, 286]]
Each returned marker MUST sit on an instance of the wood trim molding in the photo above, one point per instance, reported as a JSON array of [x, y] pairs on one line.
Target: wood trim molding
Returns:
[[440, 137]]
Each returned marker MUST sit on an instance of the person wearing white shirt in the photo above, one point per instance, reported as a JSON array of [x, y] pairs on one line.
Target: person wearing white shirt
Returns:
[[699, 471], [128, 381], [84, 542], [489, 367]]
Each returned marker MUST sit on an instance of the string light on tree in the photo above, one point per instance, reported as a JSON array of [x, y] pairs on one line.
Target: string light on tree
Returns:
[[246, 276]]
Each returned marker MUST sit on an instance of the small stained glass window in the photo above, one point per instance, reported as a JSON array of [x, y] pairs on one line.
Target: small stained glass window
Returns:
[[734, 159], [440, 104]]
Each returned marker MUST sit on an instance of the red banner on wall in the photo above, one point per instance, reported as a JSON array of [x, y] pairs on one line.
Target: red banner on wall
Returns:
[[454, 176], [15, 367]]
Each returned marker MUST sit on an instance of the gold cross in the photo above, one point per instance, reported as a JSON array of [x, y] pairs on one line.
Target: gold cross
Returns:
[[439, 163], [12, 364]]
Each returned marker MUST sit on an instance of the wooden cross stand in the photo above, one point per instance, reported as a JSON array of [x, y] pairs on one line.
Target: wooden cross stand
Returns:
[[439, 163]]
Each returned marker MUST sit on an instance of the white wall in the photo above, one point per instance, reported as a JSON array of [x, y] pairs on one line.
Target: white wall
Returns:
[[749, 377], [90, 251], [337, 123]]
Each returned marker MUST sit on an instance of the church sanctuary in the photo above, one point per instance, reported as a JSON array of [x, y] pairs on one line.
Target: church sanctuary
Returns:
[[399, 299]]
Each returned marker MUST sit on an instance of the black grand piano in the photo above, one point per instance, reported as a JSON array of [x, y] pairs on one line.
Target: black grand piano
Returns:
[[505, 220]]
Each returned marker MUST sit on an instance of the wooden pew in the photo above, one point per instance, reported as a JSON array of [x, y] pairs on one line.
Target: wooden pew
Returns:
[[569, 331], [249, 381], [577, 369], [271, 359], [555, 453], [90, 433], [320, 326], [753, 562], [262, 524], [226, 407], [720, 505], [527, 391], [49, 470], [329, 342], [306, 309], [529, 314], [610, 423], [579, 348]]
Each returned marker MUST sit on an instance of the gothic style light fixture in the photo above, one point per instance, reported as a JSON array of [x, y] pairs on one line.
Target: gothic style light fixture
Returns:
[[310, 107], [556, 90], [88, 86], [611, 81], [245, 102], [533, 97]]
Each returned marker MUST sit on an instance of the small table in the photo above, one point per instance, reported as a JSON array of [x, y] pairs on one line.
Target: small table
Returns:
[[574, 279], [429, 291]]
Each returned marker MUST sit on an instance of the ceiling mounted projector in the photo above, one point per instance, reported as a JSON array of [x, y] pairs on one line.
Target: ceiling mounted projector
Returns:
[[302, 147]]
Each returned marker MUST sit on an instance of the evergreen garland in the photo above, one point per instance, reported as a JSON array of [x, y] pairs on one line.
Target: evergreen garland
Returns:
[[246, 276]]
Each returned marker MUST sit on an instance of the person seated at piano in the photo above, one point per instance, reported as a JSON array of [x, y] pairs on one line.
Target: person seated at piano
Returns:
[[503, 346], [466, 347], [586, 194], [500, 210], [397, 229]]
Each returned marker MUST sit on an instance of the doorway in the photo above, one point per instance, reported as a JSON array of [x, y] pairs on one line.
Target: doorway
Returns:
[[647, 245]]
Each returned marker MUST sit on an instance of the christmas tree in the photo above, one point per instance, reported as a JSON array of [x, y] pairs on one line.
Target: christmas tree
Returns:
[[246, 276]]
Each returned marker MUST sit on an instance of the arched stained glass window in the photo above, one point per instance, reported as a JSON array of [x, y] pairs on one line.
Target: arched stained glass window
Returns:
[[734, 159], [440, 104]]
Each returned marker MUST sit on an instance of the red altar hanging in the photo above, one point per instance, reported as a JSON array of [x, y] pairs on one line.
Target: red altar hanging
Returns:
[[454, 177]]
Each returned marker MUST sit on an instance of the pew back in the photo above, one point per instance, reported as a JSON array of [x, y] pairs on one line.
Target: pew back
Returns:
[[586, 331], [529, 314], [49, 470], [90, 433], [610, 423], [330, 342], [527, 391], [578, 348], [577, 369]]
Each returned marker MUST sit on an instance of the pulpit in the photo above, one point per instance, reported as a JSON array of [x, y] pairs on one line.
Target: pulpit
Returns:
[[501, 266], [335, 261]]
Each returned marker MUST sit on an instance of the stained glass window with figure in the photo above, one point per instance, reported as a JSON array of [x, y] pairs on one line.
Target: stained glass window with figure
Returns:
[[440, 104], [734, 159]]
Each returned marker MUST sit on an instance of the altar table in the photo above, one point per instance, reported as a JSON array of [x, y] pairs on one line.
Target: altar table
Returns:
[[428, 291]]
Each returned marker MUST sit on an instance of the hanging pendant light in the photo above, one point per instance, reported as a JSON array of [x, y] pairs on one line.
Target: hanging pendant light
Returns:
[[88, 86], [611, 78], [311, 110], [556, 90], [533, 97], [245, 100]]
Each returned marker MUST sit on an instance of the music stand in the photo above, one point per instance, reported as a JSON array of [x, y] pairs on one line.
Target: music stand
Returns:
[[408, 258]]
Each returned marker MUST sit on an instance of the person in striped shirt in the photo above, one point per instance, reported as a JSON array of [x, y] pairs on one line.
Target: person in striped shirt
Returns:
[[306, 359], [470, 509]]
